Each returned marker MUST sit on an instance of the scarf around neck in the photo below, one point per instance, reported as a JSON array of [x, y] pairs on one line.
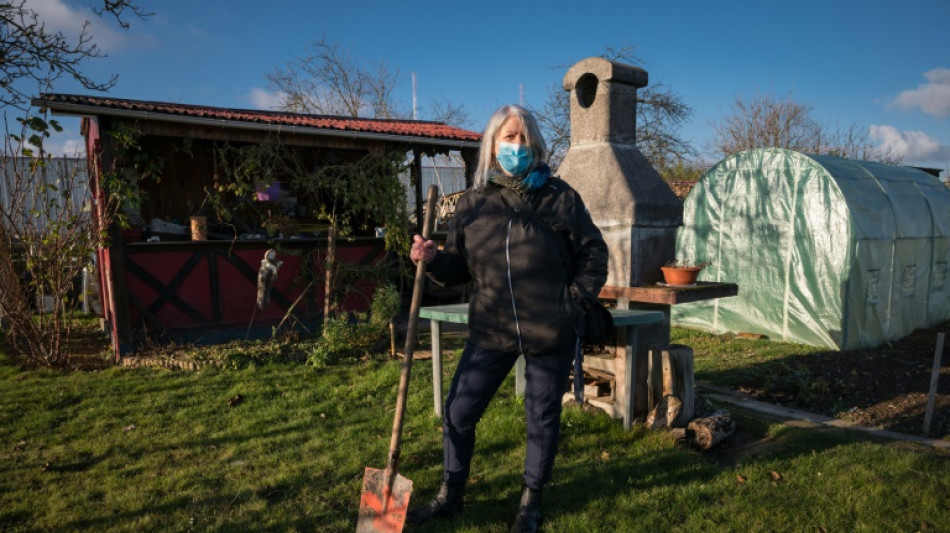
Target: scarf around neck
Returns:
[[521, 184]]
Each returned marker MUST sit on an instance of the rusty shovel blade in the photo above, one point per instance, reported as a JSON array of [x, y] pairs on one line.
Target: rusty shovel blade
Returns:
[[384, 502]]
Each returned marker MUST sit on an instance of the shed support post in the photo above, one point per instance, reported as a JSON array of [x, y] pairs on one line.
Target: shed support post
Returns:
[[469, 158], [416, 177], [114, 273]]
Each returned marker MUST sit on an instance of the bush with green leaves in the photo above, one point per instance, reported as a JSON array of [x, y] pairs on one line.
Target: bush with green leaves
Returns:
[[347, 338], [51, 225]]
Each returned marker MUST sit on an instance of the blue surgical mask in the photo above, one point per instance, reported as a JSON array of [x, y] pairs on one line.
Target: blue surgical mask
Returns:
[[514, 158]]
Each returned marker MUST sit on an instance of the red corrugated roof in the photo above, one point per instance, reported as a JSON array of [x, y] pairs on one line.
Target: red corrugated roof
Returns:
[[411, 128]]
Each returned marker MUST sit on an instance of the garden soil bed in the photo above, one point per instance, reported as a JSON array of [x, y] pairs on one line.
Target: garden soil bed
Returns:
[[885, 387]]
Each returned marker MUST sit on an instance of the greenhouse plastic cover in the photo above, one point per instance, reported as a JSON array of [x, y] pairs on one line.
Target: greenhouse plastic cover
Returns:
[[826, 251]]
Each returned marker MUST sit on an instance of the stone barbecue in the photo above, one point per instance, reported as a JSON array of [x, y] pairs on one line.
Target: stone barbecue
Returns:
[[634, 208], [636, 211]]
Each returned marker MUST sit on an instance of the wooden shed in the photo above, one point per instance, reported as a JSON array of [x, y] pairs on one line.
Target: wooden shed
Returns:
[[205, 290]]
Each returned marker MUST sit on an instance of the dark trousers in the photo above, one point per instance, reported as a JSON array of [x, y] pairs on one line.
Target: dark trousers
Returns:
[[479, 374]]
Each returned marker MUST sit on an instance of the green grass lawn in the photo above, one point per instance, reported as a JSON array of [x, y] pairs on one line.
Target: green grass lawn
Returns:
[[732, 362], [282, 447]]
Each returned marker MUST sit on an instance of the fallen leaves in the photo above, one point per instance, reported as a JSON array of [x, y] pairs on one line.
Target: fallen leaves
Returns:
[[773, 475]]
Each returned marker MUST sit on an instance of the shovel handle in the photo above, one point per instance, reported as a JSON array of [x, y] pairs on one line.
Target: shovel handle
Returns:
[[393, 462]]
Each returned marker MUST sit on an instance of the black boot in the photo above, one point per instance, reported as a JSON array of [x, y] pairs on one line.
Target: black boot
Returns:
[[445, 504], [528, 518]]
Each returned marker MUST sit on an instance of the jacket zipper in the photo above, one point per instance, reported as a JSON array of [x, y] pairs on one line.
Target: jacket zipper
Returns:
[[511, 288]]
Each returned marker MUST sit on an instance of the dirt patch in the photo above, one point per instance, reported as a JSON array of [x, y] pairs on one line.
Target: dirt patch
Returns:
[[885, 387]]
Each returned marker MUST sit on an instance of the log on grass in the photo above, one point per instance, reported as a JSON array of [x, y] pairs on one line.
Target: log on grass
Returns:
[[711, 430], [665, 414]]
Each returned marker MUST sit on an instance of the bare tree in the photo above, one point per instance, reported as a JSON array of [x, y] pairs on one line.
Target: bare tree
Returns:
[[660, 114], [767, 120], [853, 142], [29, 52], [444, 110], [555, 120], [327, 81]]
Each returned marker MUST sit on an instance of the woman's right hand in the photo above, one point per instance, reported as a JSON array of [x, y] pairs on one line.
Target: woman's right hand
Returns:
[[422, 250]]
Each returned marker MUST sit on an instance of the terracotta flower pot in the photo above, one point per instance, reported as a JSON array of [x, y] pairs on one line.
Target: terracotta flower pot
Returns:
[[680, 275]]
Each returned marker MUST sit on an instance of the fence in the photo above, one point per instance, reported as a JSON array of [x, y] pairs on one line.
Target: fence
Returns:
[[447, 179], [68, 182]]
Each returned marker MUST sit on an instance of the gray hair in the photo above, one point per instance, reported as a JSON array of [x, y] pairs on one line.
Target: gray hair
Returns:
[[532, 134]]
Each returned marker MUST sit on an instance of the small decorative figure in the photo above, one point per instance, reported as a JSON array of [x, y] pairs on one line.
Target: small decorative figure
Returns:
[[266, 276]]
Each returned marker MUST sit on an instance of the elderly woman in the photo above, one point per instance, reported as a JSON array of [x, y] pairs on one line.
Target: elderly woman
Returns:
[[538, 263]]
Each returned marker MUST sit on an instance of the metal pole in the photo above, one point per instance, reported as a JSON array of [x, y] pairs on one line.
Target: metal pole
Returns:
[[938, 354], [415, 116]]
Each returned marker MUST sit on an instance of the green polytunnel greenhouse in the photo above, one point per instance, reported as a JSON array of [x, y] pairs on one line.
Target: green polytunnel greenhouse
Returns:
[[826, 251]]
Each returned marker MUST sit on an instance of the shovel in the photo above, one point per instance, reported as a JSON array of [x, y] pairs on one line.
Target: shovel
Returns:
[[385, 498]]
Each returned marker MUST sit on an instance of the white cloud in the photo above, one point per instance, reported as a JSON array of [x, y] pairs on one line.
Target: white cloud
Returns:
[[66, 143], [66, 147], [61, 146], [932, 97], [60, 17], [913, 145], [262, 99]]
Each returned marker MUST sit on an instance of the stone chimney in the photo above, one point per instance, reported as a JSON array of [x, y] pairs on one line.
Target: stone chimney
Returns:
[[635, 210]]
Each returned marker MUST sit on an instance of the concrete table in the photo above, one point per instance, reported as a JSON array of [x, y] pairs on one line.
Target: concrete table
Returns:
[[627, 322]]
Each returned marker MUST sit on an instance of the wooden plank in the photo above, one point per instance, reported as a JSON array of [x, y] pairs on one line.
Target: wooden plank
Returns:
[[935, 374], [157, 286], [458, 313], [147, 318], [597, 373], [214, 285], [631, 317], [659, 294], [172, 288]]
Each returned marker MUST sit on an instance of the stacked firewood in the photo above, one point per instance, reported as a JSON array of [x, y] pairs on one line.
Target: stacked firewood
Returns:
[[670, 396]]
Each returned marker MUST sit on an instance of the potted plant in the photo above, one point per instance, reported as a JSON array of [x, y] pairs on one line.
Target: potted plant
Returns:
[[682, 273]]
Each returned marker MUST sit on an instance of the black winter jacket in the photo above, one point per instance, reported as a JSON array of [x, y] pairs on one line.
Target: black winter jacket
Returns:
[[534, 276]]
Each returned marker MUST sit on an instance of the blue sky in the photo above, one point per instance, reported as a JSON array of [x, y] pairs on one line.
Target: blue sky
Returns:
[[884, 66]]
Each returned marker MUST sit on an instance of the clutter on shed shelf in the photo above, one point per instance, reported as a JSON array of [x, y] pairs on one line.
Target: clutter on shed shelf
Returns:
[[157, 225], [268, 192]]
